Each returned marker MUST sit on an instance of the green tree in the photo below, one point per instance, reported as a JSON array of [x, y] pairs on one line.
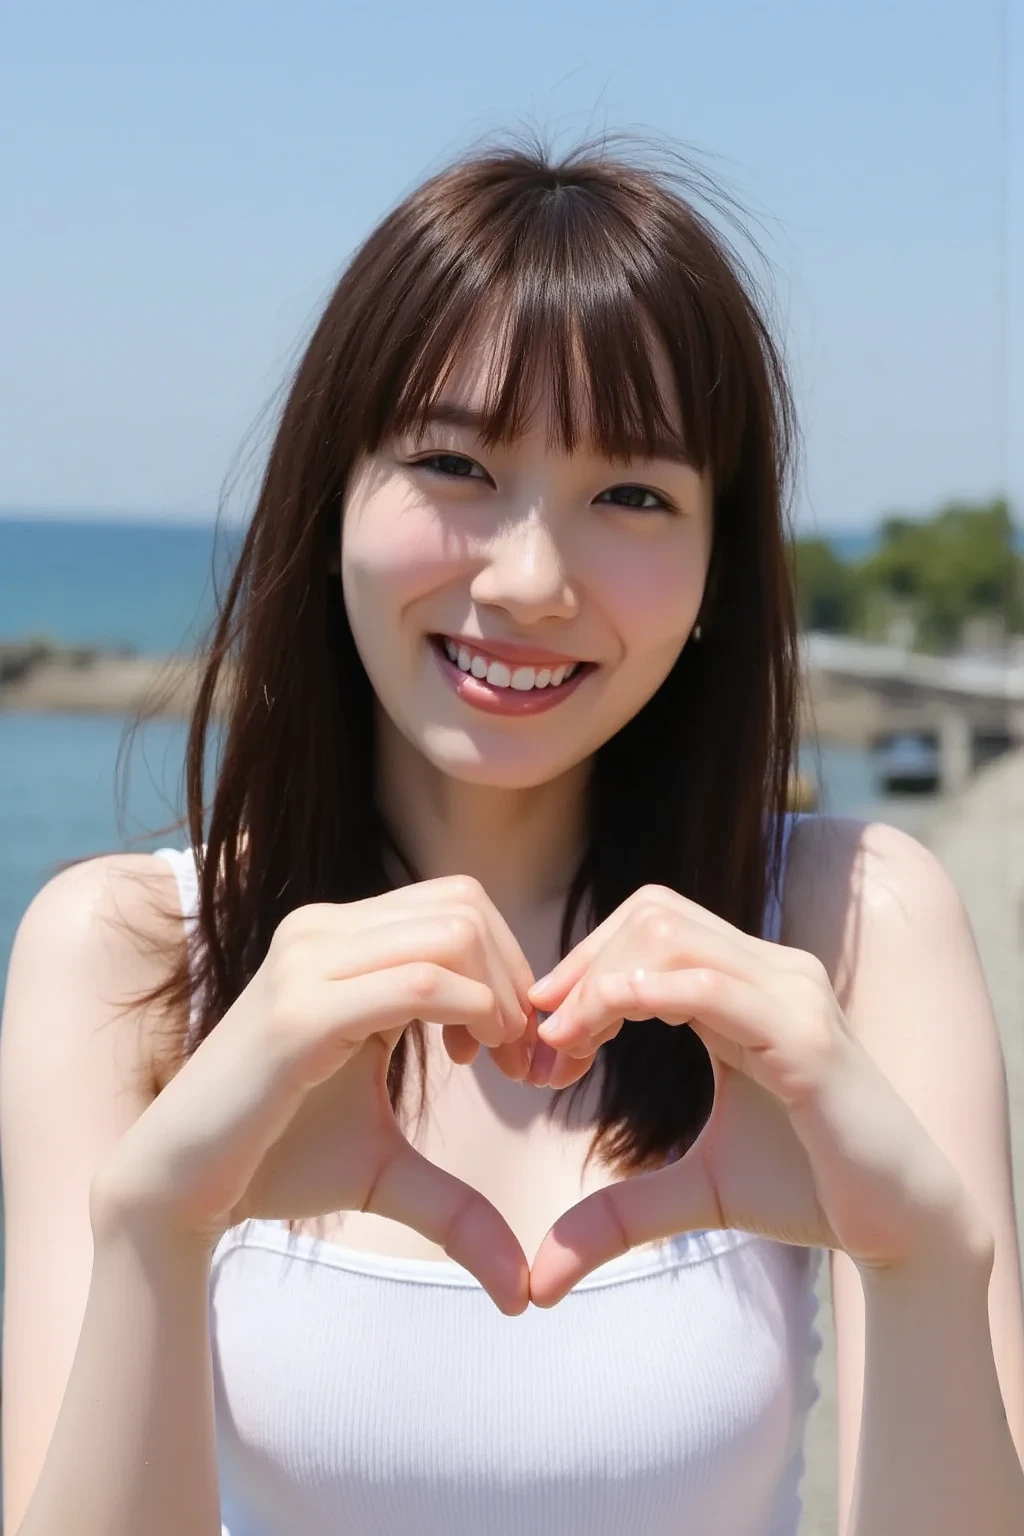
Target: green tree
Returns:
[[827, 589], [959, 564]]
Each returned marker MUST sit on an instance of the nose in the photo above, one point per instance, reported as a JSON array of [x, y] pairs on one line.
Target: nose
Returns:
[[526, 573]]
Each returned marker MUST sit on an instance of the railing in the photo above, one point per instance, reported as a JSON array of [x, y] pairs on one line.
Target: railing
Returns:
[[973, 676]]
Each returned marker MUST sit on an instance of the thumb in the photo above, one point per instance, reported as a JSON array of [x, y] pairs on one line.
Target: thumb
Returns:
[[458, 1218], [640, 1209]]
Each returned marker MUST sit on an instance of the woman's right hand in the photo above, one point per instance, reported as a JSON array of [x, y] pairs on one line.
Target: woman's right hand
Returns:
[[283, 1111]]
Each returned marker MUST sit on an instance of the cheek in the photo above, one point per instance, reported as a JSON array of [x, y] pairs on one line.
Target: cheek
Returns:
[[653, 601], [386, 564]]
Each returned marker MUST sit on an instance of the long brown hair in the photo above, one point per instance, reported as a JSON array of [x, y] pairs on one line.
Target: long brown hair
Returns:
[[582, 261]]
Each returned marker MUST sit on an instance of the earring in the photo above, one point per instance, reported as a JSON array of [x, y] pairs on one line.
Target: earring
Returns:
[[697, 632]]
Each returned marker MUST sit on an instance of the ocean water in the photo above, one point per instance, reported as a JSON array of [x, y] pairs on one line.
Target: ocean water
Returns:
[[147, 586]]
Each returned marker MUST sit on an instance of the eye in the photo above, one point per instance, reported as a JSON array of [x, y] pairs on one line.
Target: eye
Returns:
[[454, 466], [638, 497]]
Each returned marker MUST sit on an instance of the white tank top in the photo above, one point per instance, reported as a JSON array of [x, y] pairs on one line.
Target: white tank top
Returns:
[[361, 1395]]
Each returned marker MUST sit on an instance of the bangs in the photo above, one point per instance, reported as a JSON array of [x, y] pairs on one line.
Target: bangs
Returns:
[[585, 288], [593, 369]]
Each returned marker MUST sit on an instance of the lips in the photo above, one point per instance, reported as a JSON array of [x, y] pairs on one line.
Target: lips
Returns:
[[493, 698], [511, 652], [504, 674]]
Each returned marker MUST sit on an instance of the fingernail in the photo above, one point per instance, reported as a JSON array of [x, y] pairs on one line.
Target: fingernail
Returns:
[[554, 1028], [544, 1058]]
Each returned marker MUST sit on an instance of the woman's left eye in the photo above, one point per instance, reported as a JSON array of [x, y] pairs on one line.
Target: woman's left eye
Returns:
[[639, 497], [455, 465]]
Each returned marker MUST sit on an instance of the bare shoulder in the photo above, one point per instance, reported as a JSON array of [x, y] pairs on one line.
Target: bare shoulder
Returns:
[[95, 889], [846, 876], [114, 924]]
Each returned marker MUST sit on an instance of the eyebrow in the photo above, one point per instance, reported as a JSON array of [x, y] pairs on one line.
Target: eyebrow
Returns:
[[448, 414]]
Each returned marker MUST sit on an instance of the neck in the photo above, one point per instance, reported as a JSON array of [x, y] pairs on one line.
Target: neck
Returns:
[[523, 845]]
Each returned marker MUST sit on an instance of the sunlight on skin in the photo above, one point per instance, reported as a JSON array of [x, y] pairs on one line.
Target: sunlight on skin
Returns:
[[522, 543]]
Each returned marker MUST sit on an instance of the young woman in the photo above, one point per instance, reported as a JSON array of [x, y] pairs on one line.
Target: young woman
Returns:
[[508, 676]]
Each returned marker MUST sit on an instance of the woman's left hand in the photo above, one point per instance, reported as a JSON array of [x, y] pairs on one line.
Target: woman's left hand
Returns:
[[808, 1142]]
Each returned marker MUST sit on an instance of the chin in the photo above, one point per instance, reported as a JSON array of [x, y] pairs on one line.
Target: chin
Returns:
[[498, 769]]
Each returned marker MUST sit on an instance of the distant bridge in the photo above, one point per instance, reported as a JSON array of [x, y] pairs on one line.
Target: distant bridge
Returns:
[[971, 707]]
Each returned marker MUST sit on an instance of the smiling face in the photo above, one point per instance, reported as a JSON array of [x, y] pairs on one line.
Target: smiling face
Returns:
[[518, 544]]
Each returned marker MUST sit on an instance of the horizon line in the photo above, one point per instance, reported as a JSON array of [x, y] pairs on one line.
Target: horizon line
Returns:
[[14, 514], [210, 520]]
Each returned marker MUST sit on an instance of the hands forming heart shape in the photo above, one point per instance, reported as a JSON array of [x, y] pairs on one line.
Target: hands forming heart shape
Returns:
[[807, 1141], [284, 1110]]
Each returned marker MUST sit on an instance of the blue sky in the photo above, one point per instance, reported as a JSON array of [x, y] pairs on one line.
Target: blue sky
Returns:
[[183, 184]]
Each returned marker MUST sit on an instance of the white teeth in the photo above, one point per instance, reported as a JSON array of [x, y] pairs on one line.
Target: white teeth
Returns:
[[523, 679]]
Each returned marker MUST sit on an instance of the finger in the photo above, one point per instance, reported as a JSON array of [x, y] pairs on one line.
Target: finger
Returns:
[[500, 965], [737, 1010], [316, 1032], [547, 990], [569, 1069], [602, 996], [553, 1069], [461, 891], [642, 1209], [459, 1044], [518, 967], [590, 1044], [573, 965], [447, 892], [411, 1189], [508, 970], [515, 1056], [458, 941], [698, 937], [751, 1029], [593, 1012]]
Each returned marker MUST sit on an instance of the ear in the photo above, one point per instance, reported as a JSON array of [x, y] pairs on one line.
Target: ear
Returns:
[[710, 594]]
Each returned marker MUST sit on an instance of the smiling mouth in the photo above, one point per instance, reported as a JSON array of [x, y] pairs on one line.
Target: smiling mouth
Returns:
[[501, 675], [499, 688]]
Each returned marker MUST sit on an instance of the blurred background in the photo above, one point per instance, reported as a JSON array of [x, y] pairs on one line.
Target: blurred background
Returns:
[[182, 186]]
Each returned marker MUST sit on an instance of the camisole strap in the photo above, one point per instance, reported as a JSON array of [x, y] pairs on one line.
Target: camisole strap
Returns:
[[182, 861], [772, 924]]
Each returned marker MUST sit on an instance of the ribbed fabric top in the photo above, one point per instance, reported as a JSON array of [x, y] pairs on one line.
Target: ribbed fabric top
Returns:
[[357, 1393]]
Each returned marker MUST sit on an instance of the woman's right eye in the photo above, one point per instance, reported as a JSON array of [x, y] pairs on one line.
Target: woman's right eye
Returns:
[[454, 465]]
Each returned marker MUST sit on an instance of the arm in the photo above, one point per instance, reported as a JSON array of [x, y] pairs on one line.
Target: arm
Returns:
[[935, 1453], [930, 1369], [108, 1397]]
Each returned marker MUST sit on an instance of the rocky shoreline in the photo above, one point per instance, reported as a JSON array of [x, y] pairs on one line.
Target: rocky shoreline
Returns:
[[41, 676]]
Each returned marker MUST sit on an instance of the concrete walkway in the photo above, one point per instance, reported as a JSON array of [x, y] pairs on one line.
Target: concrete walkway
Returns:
[[979, 837]]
